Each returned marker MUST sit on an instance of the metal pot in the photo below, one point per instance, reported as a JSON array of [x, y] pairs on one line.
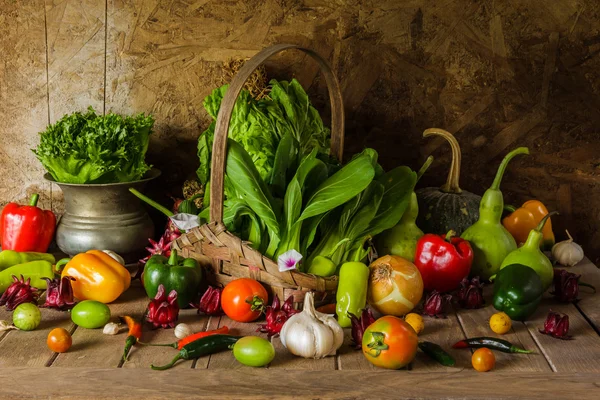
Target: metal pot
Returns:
[[105, 217]]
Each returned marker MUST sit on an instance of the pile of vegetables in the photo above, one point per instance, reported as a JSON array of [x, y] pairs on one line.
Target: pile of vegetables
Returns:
[[91, 148]]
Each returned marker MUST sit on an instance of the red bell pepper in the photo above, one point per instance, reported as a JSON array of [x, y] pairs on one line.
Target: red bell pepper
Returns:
[[27, 228], [443, 260]]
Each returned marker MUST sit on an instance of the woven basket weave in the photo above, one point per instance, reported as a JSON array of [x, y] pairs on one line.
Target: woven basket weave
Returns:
[[229, 256]]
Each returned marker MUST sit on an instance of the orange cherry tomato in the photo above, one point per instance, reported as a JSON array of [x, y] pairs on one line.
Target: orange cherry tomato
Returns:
[[483, 360], [59, 340], [390, 342], [243, 299]]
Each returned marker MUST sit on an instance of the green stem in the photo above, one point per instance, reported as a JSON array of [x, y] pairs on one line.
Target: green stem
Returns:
[[450, 235], [515, 349], [424, 167], [60, 265], [173, 345], [337, 246], [588, 285], [451, 185], [173, 257], [543, 221], [504, 164], [509, 208], [34, 199], [152, 203], [169, 365]]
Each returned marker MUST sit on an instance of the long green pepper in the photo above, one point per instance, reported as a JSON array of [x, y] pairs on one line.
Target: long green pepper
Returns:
[[34, 270], [10, 258], [351, 296]]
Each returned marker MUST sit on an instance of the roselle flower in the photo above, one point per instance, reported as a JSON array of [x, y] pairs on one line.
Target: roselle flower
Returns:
[[435, 302], [470, 294], [59, 293], [276, 315], [163, 311], [566, 286], [19, 292], [210, 302], [359, 325], [557, 325]]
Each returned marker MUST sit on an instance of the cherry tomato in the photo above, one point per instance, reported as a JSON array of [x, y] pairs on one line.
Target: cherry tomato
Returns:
[[59, 340], [390, 342], [243, 299], [483, 360]]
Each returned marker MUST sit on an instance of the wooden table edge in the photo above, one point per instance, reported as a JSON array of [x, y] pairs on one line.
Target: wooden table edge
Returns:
[[116, 383]]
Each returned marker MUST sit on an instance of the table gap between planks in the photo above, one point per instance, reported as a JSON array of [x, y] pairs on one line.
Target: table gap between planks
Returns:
[[567, 369]]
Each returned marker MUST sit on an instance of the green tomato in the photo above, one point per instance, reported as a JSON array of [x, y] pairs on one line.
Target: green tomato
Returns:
[[253, 351], [27, 316], [90, 314]]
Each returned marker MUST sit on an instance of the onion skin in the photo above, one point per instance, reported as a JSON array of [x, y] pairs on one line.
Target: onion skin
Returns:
[[395, 285]]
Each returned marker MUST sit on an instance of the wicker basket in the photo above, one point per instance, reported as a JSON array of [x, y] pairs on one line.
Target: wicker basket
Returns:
[[228, 256]]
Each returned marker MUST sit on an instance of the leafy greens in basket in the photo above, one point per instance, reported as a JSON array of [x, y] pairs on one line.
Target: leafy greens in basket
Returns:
[[91, 148], [284, 193]]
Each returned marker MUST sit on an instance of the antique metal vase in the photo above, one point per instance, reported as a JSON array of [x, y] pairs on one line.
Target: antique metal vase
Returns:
[[105, 217]]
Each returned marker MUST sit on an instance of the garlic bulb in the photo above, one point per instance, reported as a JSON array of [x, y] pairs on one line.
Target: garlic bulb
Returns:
[[312, 334], [182, 330], [115, 256], [567, 252], [111, 329]]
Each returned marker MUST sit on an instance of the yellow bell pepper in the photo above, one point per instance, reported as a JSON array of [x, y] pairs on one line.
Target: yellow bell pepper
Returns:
[[522, 220], [98, 276]]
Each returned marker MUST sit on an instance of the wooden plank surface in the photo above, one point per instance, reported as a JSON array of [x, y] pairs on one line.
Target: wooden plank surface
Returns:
[[588, 303], [260, 383]]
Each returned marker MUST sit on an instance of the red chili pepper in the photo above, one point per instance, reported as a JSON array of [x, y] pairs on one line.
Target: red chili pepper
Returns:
[[443, 260], [224, 330], [27, 228], [135, 334]]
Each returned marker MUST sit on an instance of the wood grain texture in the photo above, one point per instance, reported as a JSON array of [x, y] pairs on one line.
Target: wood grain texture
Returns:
[[260, 384], [588, 303]]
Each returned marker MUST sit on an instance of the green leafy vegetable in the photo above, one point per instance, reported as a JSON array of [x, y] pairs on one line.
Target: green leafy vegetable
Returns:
[[90, 148]]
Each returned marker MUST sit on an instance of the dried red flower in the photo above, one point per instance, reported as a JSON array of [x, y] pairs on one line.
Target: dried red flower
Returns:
[[557, 325], [566, 286], [163, 311], [359, 325], [470, 294], [59, 293], [210, 302], [435, 302], [276, 315], [19, 292]]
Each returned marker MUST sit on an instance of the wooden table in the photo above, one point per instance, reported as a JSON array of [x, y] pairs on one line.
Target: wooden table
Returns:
[[93, 367]]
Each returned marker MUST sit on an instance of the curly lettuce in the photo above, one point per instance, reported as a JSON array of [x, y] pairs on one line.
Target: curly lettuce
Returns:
[[90, 148]]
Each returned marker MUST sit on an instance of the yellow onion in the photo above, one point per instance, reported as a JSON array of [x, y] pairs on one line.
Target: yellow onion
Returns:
[[395, 285]]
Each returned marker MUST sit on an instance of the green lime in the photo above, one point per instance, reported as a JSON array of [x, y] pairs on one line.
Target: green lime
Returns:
[[90, 314], [27, 316]]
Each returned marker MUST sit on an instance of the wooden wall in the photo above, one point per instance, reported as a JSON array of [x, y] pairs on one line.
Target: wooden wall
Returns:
[[498, 74]]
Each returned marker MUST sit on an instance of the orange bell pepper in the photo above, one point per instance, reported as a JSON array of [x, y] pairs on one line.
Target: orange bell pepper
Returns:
[[522, 220], [97, 275]]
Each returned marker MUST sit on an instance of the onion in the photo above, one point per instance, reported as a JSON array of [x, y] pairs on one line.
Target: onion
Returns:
[[395, 285]]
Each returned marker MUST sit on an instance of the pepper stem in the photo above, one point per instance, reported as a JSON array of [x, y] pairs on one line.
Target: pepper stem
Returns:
[[151, 202], [509, 208], [451, 185], [173, 257], [515, 349], [173, 345], [543, 221], [34, 199], [60, 264], [169, 365], [504, 164], [451, 233], [424, 168]]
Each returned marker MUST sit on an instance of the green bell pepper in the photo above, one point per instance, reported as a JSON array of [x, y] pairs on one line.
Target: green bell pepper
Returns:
[[9, 258], [176, 273], [518, 291]]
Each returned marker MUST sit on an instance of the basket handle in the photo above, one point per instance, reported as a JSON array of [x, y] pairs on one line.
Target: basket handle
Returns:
[[219, 150]]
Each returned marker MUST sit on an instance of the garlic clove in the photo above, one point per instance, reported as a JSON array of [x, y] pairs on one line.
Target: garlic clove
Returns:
[[111, 329], [182, 330]]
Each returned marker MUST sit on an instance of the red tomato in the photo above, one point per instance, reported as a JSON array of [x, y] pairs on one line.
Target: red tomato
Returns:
[[59, 340], [243, 299], [390, 342]]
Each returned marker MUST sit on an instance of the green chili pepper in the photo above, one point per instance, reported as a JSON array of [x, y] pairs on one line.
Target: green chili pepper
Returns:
[[437, 353], [491, 242], [201, 347], [351, 296], [34, 270], [491, 343], [9, 258]]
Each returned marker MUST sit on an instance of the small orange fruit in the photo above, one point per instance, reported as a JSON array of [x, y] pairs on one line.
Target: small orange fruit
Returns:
[[59, 340]]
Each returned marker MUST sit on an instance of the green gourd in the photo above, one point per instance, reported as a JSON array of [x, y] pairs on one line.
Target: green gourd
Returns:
[[530, 255], [491, 242], [401, 240], [448, 207]]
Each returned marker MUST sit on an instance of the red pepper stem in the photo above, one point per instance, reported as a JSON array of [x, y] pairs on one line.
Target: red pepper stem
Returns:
[[169, 365], [151, 202], [504, 164], [34, 199], [543, 221], [173, 257], [451, 233]]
